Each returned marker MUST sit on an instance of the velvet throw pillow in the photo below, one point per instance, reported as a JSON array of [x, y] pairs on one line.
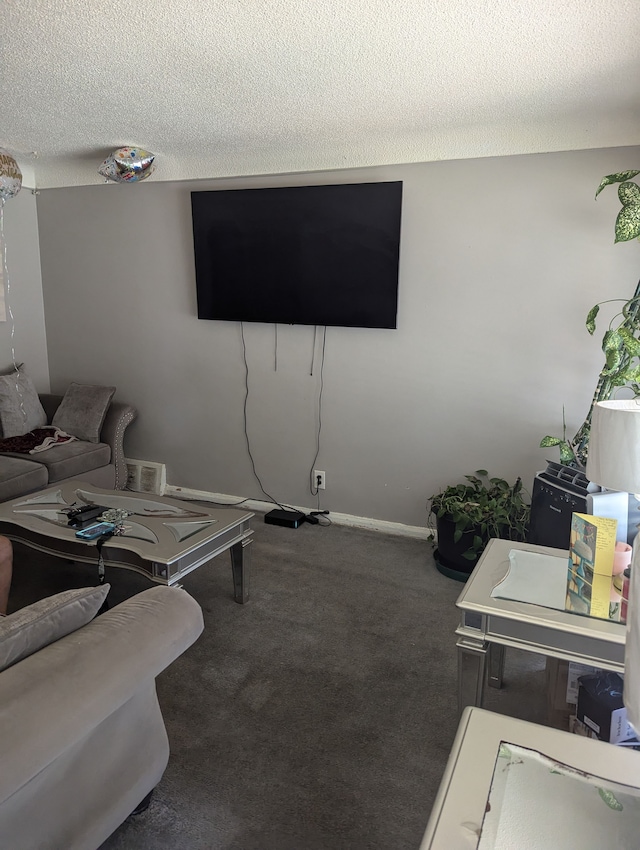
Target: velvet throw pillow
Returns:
[[20, 407], [82, 411], [32, 628]]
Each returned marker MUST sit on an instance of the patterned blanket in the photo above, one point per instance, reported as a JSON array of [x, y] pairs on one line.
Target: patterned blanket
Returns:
[[35, 441]]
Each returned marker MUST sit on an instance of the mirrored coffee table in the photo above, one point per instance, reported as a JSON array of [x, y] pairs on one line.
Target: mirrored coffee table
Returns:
[[165, 539]]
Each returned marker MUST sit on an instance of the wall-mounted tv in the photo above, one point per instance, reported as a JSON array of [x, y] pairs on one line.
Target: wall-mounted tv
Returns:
[[310, 255]]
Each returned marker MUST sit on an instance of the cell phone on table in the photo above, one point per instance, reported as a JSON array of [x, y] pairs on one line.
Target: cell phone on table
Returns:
[[96, 530]]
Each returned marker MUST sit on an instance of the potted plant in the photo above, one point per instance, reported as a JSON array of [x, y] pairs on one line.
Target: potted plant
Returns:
[[621, 340], [468, 515]]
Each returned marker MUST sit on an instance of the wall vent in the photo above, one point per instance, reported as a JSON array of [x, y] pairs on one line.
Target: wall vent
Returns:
[[146, 476]]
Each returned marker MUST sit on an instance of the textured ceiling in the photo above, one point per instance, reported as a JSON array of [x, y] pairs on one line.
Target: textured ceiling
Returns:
[[269, 86]]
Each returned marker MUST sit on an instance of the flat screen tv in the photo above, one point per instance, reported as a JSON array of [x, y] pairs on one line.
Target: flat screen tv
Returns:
[[310, 255]]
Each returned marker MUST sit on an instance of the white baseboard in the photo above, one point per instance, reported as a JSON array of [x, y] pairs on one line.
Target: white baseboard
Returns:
[[398, 528]]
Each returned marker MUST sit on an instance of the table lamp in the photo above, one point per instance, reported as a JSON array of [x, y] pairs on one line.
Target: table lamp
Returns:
[[613, 462]]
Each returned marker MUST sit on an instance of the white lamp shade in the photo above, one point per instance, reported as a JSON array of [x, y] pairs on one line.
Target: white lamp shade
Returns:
[[613, 460]]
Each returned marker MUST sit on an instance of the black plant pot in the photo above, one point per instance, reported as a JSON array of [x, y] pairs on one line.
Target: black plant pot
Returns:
[[449, 554]]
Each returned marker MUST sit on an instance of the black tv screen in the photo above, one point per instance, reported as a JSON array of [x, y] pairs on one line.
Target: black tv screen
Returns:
[[310, 255]]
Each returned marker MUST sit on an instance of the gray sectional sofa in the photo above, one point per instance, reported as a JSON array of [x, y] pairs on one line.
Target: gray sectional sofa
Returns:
[[82, 737], [99, 463]]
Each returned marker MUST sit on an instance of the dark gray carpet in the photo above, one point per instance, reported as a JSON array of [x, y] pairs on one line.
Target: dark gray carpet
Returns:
[[320, 715]]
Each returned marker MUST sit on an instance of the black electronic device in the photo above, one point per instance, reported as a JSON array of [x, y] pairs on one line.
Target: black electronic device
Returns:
[[310, 255], [84, 516], [289, 519], [560, 491]]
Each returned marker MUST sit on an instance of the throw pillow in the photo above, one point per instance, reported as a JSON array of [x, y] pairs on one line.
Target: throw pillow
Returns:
[[32, 628], [82, 411], [20, 407]]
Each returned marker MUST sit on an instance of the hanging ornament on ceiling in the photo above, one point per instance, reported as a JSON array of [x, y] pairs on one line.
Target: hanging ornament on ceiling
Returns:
[[127, 165], [10, 176]]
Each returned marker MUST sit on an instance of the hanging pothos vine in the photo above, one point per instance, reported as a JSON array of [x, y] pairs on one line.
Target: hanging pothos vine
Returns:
[[621, 341]]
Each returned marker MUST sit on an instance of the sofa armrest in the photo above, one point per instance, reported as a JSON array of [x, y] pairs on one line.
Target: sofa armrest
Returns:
[[119, 416], [57, 696]]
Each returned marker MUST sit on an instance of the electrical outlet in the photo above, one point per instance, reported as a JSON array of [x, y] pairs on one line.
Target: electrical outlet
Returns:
[[319, 480]]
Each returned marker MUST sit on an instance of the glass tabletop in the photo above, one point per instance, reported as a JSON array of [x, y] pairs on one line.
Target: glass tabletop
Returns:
[[562, 584], [183, 523], [537, 802]]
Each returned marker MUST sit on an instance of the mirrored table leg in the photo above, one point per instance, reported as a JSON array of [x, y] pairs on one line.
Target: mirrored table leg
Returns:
[[472, 665], [240, 563], [496, 665]]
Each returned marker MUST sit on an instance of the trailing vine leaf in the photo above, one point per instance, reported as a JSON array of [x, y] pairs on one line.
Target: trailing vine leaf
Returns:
[[612, 345], [629, 193], [620, 177], [628, 222], [610, 799], [591, 319], [567, 454], [630, 342]]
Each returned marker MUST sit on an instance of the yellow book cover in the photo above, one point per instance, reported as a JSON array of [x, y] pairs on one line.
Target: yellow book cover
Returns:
[[591, 588]]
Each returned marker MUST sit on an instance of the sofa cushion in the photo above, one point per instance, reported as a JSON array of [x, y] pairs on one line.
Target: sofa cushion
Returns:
[[30, 629], [20, 407], [82, 411], [68, 460], [19, 476]]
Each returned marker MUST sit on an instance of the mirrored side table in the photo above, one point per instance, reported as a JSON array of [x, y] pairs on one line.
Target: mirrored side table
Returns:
[[488, 625], [458, 813]]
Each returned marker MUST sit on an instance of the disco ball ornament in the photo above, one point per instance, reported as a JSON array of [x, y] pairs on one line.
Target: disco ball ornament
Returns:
[[10, 176], [127, 165]]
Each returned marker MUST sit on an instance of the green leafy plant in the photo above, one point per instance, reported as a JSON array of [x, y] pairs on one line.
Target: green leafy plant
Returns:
[[621, 341], [484, 507], [628, 220], [567, 453]]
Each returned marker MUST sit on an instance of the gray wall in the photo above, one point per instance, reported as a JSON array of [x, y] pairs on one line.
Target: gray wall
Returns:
[[25, 335], [501, 259]]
